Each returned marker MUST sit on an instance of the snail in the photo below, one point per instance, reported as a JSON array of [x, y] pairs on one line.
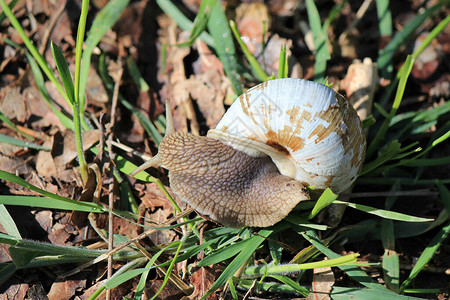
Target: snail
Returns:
[[275, 140]]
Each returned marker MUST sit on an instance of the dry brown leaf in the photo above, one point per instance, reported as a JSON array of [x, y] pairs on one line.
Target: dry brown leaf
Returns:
[[65, 290], [4, 252], [322, 284], [58, 234], [202, 279], [12, 103], [44, 116], [45, 166], [45, 219], [16, 291], [14, 165], [153, 197], [206, 61], [157, 217], [170, 291]]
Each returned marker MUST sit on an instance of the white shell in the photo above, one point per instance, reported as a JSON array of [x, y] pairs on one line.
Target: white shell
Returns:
[[311, 132]]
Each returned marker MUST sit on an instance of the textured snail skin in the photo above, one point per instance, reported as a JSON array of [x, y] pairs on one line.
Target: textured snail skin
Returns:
[[226, 185]]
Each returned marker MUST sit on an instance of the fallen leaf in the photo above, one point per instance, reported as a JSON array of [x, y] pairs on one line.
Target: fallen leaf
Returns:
[[323, 281], [12, 103], [202, 279], [45, 165], [14, 165], [65, 290], [17, 291]]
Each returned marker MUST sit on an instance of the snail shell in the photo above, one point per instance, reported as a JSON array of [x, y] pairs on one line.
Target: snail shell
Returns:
[[311, 132], [276, 138]]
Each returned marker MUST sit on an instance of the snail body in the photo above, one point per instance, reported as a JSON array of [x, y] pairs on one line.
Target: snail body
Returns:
[[276, 139]]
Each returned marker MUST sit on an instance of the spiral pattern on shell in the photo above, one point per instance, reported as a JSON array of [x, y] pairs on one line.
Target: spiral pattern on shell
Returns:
[[312, 133]]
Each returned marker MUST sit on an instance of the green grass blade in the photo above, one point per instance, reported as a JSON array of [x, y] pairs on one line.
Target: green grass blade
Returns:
[[258, 271], [200, 21], [129, 266], [48, 249], [272, 287], [324, 200], [282, 63], [384, 213], [425, 291], [373, 146], [346, 293], [51, 203], [224, 46], [124, 277], [427, 254], [183, 22], [240, 259], [260, 74], [78, 54], [354, 272], [391, 268], [149, 127], [385, 28], [170, 268], [334, 12], [320, 41], [64, 72], [224, 254], [136, 75], [142, 283], [400, 38], [191, 252], [428, 149], [299, 221], [8, 223], [441, 139], [17, 180], [428, 162], [291, 283], [425, 43], [275, 249], [24, 144], [387, 153], [430, 37]]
